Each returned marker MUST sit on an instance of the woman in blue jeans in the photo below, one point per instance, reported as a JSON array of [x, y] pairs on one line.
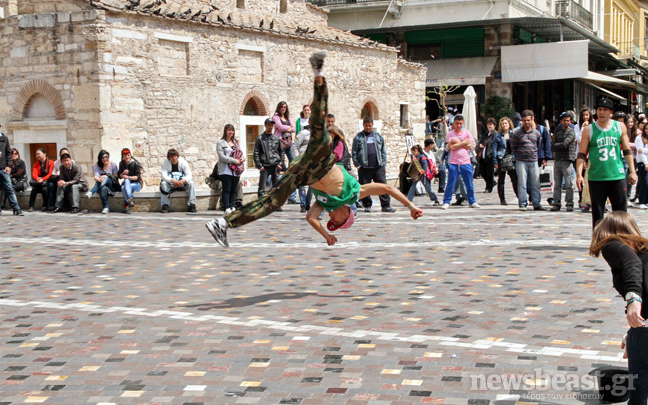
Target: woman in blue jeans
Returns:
[[130, 172], [105, 175], [417, 153], [618, 238]]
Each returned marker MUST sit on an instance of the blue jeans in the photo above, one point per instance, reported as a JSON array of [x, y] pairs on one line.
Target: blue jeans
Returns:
[[128, 188], [305, 196], [103, 188], [466, 173], [528, 172], [428, 189], [638, 365], [5, 183]]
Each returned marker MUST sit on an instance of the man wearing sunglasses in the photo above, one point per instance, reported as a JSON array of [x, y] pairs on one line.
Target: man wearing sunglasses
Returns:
[[5, 169]]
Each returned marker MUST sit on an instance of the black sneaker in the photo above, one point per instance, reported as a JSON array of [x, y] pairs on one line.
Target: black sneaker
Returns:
[[555, 208], [303, 209], [388, 209], [56, 210], [539, 208], [458, 202], [192, 208], [75, 210], [127, 209], [217, 231], [18, 212], [165, 209], [441, 190], [31, 209], [570, 209], [317, 60], [44, 209], [503, 202], [367, 209], [131, 202]]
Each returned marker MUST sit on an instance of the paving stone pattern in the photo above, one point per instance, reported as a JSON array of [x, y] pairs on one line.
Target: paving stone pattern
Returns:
[[146, 309]]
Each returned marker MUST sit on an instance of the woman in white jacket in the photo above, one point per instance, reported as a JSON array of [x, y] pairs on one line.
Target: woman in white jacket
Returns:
[[225, 146]]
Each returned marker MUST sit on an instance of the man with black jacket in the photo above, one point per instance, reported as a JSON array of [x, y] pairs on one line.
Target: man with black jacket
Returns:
[[564, 150], [268, 156], [5, 169]]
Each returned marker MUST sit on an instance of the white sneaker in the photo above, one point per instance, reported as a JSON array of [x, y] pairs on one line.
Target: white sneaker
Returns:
[[643, 207], [217, 231], [227, 211], [630, 204], [523, 208], [105, 211], [89, 194], [475, 205], [445, 206]]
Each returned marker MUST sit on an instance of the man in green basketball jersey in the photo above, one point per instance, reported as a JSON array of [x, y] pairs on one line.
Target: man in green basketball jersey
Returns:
[[334, 189], [605, 140]]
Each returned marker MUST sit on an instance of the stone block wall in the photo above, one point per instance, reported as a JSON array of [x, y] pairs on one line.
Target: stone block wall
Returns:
[[150, 111], [53, 54]]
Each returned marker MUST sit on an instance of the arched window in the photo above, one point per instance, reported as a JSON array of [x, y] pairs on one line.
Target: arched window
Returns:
[[283, 6], [251, 108], [240, 3], [367, 111], [39, 107]]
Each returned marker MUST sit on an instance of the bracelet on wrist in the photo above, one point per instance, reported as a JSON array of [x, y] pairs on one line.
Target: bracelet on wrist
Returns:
[[631, 300]]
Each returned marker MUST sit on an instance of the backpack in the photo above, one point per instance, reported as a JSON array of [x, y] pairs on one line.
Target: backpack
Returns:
[[431, 170], [237, 153]]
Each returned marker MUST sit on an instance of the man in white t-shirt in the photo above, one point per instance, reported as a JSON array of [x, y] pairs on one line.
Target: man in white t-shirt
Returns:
[[461, 142]]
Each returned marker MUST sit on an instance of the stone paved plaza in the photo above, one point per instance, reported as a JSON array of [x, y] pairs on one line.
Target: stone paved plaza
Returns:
[[147, 309]]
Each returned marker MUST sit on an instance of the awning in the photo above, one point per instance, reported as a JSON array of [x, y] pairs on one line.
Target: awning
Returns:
[[615, 81], [460, 71], [548, 61], [608, 92]]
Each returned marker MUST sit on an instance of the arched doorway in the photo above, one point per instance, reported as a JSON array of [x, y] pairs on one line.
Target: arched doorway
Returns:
[[370, 109], [254, 111]]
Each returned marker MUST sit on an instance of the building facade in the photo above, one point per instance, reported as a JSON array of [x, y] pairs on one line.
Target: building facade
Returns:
[[152, 75]]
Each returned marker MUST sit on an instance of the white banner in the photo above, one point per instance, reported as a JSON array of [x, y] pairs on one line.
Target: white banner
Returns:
[[538, 62]]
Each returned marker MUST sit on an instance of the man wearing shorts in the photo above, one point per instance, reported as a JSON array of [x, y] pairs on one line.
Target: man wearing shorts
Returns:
[[334, 188]]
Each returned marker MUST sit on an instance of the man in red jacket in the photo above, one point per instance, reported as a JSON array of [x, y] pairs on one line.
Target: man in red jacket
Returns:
[[41, 171]]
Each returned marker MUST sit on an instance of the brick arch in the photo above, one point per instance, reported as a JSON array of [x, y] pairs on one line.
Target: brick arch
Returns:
[[259, 99], [26, 94], [373, 103]]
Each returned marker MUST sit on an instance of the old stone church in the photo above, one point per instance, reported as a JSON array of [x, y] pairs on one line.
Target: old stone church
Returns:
[[155, 74]]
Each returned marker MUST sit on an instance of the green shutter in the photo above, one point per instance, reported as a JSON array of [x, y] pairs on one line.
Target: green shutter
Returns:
[[456, 43]]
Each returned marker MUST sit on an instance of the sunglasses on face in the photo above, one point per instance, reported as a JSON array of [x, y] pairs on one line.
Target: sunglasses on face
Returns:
[[105, 157], [14, 153]]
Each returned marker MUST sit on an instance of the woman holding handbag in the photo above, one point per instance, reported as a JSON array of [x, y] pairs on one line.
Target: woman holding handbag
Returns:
[[429, 170], [230, 167], [503, 159]]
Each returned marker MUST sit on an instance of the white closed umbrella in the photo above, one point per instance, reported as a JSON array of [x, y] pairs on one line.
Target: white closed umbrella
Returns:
[[470, 112]]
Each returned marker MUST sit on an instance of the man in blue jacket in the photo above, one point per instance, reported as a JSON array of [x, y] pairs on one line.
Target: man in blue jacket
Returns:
[[370, 157]]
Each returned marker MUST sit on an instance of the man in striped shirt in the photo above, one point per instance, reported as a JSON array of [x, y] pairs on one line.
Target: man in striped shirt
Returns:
[[526, 141]]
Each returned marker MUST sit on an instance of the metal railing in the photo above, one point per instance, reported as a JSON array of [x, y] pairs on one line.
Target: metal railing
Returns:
[[324, 3], [575, 12]]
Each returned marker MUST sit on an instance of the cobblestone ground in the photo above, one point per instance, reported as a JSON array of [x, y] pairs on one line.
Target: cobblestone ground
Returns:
[[144, 309]]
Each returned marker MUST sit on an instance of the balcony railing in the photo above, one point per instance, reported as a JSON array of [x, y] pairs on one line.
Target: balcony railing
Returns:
[[575, 12], [324, 3]]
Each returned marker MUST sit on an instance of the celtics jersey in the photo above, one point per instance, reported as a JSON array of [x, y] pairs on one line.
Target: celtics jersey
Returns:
[[605, 153], [349, 195]]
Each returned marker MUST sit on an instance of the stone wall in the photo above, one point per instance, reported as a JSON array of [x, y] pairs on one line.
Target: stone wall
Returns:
[[53, 54], [495, 37], [150, 108]]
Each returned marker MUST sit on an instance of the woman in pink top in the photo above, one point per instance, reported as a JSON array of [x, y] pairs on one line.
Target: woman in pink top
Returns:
[[284, 126]]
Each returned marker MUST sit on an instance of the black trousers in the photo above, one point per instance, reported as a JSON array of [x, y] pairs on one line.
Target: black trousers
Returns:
[[501, 175], [600, 191], [487, 171], [38, 188], [263, 179], [377, 175]]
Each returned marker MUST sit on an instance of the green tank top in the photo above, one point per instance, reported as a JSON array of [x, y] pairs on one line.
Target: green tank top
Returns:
[[605, 153], [349, 195]]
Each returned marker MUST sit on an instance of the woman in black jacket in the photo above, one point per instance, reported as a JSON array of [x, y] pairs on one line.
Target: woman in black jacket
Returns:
[[618, 238]]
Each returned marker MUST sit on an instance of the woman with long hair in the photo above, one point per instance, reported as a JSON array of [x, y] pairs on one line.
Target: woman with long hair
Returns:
[[302, 121], [18, 176], [585, 119], [105, 176], [618, 238], [284, 128], [502, 147], [130, 171], [228, 176]]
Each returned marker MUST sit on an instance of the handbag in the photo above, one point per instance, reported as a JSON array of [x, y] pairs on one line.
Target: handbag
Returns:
[[507, 163], [237, 153], [286, 140], [415, 170]]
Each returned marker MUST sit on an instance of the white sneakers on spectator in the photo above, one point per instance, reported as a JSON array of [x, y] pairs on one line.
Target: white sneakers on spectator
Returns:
[[89, 194], [105, 211], [229, 210], [523, 208], [643, 207], [475, 205], [445, 206]]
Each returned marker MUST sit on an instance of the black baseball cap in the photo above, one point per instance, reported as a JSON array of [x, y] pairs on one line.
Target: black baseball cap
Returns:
[[268, 121], [605, 103]]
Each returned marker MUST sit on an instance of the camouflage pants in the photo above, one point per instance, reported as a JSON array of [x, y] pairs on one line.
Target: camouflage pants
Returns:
[[308, 168]]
